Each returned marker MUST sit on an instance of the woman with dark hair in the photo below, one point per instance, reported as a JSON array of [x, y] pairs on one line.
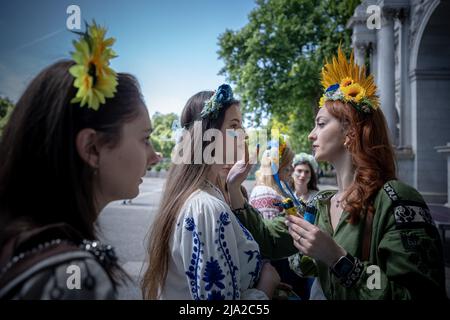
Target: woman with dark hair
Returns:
[[374, 238], [81, 139], [197, 248], [305, 176]]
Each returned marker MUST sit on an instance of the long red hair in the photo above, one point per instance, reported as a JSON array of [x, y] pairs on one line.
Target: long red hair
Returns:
[[372, 155]]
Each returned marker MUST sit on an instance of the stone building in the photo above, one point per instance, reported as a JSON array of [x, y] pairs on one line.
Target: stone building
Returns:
[[408, 51]]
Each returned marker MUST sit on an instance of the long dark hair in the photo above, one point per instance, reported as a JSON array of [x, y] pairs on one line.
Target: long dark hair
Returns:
[[182, 181], [312, 184], [43, 180]]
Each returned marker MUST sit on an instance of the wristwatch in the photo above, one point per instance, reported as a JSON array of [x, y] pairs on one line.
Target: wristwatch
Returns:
[[344, 266]]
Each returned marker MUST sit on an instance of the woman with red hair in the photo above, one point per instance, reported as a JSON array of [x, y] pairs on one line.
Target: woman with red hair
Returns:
[[374, 237]]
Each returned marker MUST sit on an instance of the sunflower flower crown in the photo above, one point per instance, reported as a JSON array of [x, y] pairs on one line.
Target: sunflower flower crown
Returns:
[[345, 81], [94, 78]]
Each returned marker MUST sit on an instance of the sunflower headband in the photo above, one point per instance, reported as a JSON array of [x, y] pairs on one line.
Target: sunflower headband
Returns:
[[347, 82], [94, 79]]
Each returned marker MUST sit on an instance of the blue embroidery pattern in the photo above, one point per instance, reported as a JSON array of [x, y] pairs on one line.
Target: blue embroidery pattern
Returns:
[[216, 295], [213, 275], [224, 220], [255, 273], [189, 224], [246, 232], [220, 274]]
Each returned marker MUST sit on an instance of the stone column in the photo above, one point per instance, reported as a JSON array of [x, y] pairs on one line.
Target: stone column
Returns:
[[360, 49], [385, 74], [445, 150]]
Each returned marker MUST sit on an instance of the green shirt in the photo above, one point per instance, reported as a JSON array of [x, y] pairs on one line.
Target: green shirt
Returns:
[[405, 252]]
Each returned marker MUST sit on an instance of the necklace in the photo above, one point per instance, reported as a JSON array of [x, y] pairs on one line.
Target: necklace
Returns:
[[304, 197], [338, 201]]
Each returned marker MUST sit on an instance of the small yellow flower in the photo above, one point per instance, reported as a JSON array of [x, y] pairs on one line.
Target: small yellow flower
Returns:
[[347, 81], [94, 78], [353, 92], [322, 101]]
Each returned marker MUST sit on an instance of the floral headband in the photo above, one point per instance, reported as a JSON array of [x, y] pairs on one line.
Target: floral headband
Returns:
[[94, 79], [347, 82], [304, 157], [223, 95]]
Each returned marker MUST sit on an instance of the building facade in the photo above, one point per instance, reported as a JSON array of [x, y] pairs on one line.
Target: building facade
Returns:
[[406, 44]]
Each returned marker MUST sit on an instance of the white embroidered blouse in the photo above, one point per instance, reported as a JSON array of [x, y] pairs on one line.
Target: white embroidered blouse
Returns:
[[213, 256], [263, 199]]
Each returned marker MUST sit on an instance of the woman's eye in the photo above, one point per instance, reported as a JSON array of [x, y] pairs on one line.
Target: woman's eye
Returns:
[[320, 124]]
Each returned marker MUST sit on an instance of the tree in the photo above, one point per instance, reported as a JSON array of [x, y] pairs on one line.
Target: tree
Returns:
[[161, 137], [275, 60], [6, 107]]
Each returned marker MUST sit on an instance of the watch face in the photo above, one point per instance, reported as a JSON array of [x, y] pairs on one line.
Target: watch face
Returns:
[[343, 267], [346, 267]]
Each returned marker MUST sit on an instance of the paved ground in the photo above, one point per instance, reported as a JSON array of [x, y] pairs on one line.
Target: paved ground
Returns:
[[126, 227]]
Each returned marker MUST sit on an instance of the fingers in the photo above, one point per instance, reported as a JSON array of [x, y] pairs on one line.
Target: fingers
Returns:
[[246, 154], [300, 234], [295, 220]]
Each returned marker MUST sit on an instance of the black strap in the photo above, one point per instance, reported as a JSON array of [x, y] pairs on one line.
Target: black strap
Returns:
[[23, 265]]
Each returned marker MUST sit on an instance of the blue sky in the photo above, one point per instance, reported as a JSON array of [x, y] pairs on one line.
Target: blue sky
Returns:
[[171, 46]]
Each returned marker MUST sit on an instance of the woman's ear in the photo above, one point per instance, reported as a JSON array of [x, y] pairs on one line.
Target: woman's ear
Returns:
[[86, 144], [349, 137]]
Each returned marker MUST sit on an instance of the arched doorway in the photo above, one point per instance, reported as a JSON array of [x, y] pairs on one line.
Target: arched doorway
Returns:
[[430, 99]]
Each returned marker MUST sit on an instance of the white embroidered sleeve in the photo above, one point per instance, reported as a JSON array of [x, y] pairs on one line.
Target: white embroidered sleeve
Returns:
[[211, 257]]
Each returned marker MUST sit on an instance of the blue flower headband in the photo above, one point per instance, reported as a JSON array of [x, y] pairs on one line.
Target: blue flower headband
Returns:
[[223, 95]]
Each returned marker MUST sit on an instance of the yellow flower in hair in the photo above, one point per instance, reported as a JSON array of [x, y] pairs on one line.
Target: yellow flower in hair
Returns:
[[346, 82], [322, 101], [94, 78], [353, 92]]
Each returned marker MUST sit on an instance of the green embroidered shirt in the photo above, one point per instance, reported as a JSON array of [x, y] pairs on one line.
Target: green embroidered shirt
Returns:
[[406, 259]]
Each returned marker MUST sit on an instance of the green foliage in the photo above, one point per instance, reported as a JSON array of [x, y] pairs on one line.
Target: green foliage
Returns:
[[161, 137], [163, 165], [275, 60], [6, 107]]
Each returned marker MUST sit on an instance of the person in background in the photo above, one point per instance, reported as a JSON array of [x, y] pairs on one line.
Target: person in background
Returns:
[[305, 176]]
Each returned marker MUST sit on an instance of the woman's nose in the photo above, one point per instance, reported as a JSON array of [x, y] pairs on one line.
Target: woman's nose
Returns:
[[312, 135], [154, 158]]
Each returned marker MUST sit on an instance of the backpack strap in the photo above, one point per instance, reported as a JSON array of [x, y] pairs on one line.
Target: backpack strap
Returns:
[[25, 265]]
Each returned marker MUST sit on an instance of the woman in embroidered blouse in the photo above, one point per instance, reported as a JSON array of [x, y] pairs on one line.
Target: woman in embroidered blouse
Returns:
[[198, 249], [374, 238], [266, 192]]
